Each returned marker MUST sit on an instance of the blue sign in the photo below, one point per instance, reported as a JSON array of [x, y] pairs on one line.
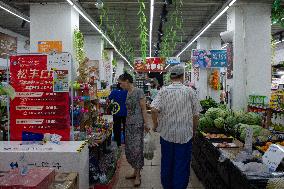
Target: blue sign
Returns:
[[218, 58], [173, 60], [209, 58]]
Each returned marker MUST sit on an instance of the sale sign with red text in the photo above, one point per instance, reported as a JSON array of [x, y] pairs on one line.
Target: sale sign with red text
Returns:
[[36, 108], [155, 64]]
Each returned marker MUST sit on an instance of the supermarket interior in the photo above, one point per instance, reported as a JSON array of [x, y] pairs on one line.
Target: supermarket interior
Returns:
[[152, 94]]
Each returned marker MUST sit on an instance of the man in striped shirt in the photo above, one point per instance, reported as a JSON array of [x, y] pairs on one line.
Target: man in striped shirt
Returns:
[[175, 113]]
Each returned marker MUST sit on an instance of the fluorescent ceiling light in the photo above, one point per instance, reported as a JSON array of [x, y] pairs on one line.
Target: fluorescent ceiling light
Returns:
[[167, 66], [15, 14], [70, 2], [232, 2], [98, 29], [151, 26], [224, 9], [279, 42]]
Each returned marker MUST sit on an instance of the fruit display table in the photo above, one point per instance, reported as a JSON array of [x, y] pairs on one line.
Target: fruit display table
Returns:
[[215, 174], [68, 156]]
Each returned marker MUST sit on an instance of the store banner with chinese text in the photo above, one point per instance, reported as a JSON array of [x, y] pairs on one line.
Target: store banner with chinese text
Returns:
[[156, 64], [37, 108]]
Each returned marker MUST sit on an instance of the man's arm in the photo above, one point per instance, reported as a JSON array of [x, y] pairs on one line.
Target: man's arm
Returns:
[[155, 113], [144, 112]]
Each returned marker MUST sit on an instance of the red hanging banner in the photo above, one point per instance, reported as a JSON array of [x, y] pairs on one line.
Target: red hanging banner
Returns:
[[36, 108], [155, 64]]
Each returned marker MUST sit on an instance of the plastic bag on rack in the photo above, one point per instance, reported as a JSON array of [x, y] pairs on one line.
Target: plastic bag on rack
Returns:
[[149, 146]]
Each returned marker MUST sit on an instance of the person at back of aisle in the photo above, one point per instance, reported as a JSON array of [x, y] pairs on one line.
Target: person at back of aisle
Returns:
[[153, 90], [175, 112], [119, 95]]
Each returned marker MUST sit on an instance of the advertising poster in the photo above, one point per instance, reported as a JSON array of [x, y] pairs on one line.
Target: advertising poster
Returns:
[[37, 108], [156, 64], [60, 81], [230, 60], [209, 58], [173, 60], [218, 58], [8, 45], [49, 46]]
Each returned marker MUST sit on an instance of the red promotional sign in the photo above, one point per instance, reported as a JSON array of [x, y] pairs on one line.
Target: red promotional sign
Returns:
[[36, 108], [156, 64]]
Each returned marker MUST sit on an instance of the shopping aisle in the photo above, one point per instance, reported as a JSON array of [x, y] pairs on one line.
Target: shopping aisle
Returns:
[[150, 173]]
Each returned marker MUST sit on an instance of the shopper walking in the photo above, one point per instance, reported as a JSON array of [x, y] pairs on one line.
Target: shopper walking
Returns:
[[119, 95], [136, 124], [175, 113]]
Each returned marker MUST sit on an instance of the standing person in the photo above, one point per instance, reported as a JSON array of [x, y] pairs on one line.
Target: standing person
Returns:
[[175, 113], [119, 95], [136, 124]]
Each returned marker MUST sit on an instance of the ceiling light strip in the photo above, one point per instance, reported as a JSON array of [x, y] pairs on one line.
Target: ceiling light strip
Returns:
[[89, 19], [151, 26], [209, 24], [14, 12]]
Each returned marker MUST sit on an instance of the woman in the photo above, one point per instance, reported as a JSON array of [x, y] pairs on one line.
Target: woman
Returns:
[[136, 124], [119, 96]]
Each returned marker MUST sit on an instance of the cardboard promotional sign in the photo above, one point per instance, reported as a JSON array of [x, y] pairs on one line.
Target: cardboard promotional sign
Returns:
[[60, 81], [49, 46], [273, 157], [156, 64], [36, 108], [8, 45], [209, 58]]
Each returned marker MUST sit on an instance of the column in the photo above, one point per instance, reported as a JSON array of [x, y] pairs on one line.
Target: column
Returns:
[[53, 22], [94, 46], [119, 69], [106, 67], [251, 24], [207, 43]]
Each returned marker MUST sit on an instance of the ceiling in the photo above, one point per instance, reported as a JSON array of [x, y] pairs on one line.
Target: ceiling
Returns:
[[195, 14]]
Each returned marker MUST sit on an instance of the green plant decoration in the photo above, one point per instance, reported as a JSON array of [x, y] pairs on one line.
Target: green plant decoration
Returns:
[[79, 46], [105, 55], [114, 62], [277, 13], [143, 29]]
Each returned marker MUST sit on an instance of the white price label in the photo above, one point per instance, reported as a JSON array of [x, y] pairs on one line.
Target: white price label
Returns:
[[273, 157]]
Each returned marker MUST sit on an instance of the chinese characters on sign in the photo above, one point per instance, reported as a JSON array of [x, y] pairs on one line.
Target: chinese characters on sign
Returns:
[[209, 58], [37, 108], [49, 46], [152, 65]]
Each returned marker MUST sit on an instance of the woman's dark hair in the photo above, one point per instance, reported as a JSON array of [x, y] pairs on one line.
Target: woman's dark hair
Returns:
[[118, 86], [126, 77]]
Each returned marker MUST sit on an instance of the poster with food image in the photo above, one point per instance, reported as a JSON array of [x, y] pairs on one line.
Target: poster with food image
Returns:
[[8, 45], [60, 81]]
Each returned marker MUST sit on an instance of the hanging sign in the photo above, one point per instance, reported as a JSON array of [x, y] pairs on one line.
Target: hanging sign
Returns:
[[59, 61], [230, 60], [173, 60], [49, 46], [273, 157], [8, 45], [156, 64], [36, 108], [209, 58], [60, 81]]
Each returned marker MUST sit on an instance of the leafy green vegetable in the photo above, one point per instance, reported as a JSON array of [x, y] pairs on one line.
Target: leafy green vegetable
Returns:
[[205, 122], [219, 123]]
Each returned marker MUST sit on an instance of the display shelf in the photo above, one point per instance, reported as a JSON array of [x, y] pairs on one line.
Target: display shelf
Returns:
[[215, 174]]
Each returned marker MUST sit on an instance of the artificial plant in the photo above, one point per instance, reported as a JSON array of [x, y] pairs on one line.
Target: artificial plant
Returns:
[[277, 13], [79, 45], [143, 29]]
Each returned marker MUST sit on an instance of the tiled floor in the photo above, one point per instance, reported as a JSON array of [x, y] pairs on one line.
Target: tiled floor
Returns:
[[150, 173]]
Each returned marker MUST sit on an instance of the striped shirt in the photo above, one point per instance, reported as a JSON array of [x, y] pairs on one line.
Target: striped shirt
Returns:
[[177, 104]]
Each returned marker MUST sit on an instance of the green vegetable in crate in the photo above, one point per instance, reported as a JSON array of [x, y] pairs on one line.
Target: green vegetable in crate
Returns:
[[231, 121], [208, 103], [219, 123], [205, 122], [250, 118], [215, 113]]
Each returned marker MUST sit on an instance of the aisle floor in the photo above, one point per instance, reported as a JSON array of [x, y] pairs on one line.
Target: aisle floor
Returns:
[[150, 173]]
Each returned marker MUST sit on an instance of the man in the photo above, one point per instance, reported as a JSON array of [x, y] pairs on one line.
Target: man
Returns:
[[175, 113]]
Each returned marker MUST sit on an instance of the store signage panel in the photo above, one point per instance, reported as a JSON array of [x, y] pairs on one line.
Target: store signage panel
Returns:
[[156, 64], [8, 45], [173, 60], [209, 58], [49, 46], [36, 108]]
